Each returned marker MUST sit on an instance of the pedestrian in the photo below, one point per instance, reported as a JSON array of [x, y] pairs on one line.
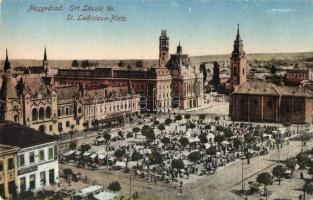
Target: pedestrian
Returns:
[[301, 175]]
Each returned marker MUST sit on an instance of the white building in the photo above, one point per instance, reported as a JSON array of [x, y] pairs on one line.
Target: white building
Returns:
[[37, 157]]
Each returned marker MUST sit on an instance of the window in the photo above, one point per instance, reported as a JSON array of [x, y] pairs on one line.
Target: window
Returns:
[[66, 111], [31, 157], [50, 128], [67, 124], [21, 160], [48, 112], [10, 163], [59, 112], [22, 184], [34, 114], [43, 178], [50, 153], [41, 155], [32, 184], [1, 165], [60, 125], [41, 113]]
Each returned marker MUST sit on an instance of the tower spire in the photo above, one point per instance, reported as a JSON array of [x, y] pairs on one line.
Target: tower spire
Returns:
[[238, 29], [7, 62], [45, 61], [45, 55]]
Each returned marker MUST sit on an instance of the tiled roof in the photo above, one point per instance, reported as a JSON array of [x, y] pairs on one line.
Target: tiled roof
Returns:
[[265, 88], [67, 92]]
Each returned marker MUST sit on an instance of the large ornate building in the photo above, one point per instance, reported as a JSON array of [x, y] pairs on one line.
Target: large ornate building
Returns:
[[256, 101], [174, 83], [35, 101]]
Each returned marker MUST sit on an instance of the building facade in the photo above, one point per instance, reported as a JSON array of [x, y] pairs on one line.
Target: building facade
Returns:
[[8, 171], [259, 101], [37, 160], [34, 100], [173, 84]]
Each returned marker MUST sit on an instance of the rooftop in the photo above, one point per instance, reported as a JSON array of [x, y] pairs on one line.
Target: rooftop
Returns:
[[21, 136]]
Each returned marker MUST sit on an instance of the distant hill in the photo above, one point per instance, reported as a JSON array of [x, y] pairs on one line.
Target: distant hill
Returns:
[[195, 59]]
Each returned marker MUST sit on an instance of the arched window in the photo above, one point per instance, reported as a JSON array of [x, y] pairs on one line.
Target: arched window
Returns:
[[41, 113], [16, 118], [34, 114], [48, 112]]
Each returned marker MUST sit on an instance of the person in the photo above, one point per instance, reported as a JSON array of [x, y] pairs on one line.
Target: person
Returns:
[[301, 175], [300, 197]]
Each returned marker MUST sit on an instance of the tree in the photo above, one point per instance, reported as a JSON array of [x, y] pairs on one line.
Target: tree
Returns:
[[291, 163], [107, 137], [217, 118], [308, 188], [219, 138], [161, 127], [187, 116], [227, 133], [178, 164], [136, 156], [202, 137], [184, 141], [211, 151], [114, 186], [202, 117], [73, 145], [216, 74], [278, 172], [85, 147], [168, 121], [165, 140], [155, 158], [85, 63], [273, 69], [237, 143], [194, 156], [75, 63], [266, 179], [156, 122], [149, 134], [139, 63], [119, 154], [136, 130], [120, 133], [121, 63], [178, 117], [302, 159]]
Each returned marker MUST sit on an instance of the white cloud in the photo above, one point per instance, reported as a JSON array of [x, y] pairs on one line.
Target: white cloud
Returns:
[[189, 9], [280, 10]]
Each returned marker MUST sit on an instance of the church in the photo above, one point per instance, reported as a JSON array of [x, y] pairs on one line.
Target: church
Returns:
[[259, 101]]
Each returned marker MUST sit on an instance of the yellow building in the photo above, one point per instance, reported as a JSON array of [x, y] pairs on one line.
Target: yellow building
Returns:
[[8, 171]]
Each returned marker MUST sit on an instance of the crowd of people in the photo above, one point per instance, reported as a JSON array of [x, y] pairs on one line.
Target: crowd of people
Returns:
[[178, 147]]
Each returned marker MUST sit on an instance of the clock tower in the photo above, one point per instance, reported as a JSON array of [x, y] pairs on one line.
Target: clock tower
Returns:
[[163, 49]]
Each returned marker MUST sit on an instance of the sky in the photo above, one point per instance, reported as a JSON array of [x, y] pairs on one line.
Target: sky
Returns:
[[204, 27]]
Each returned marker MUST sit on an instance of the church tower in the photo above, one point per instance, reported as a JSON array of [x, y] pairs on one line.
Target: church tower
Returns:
[[10, 105], [163, 49], [45, 61], [238, 64]]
